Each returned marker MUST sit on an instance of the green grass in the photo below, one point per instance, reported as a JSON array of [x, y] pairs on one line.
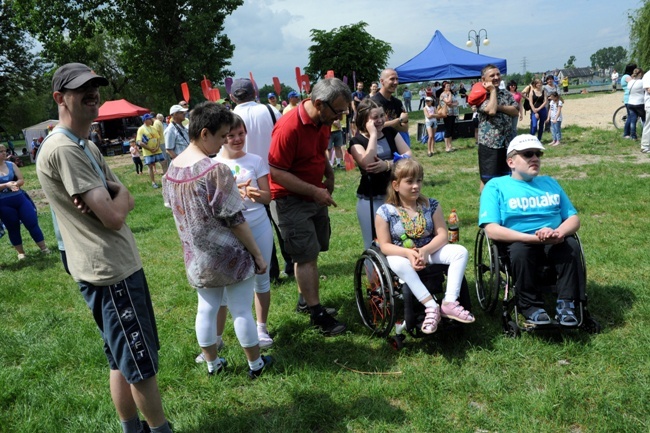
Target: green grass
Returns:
[[53, 375]]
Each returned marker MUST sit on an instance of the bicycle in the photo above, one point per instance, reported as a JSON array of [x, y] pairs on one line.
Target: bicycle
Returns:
[[620, 117]]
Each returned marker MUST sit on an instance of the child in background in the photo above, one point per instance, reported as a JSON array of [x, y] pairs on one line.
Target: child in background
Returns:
[[555, 117], [407, 212], [135, 155]]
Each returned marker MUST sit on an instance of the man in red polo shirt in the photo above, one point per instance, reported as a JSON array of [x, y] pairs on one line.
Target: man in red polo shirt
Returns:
[[302, 183]]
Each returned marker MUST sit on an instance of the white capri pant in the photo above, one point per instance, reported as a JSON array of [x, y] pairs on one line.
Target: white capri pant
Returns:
[[263, 234], [453, 255], [240, 298]]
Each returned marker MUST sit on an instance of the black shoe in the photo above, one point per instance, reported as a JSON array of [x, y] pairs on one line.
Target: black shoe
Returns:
[[327, 325], [304, 309], [254, 374]]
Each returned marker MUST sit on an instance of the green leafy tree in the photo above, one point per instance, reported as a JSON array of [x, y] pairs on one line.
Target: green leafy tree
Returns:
[[640, 34], [146, 48], [20, 71], [609, 57], [570, 64], [268, 88], [347, 49]]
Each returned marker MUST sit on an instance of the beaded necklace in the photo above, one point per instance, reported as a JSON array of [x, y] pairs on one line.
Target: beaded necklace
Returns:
[[414, 227]]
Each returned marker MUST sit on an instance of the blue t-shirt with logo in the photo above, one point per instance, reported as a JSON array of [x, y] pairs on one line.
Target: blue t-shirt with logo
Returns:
[[524, 206]]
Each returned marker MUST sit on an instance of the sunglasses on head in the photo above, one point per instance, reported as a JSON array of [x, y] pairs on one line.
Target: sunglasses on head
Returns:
[[529, 153]]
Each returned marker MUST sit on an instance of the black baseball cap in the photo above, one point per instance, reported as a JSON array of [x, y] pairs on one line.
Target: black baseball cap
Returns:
[[74, 75]]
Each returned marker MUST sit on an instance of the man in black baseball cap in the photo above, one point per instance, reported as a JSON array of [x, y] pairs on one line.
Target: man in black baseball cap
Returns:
[[75, 75], [91, 206]]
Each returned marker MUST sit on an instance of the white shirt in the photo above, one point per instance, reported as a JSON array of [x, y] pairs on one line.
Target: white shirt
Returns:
[[259, 126], [646, 86]]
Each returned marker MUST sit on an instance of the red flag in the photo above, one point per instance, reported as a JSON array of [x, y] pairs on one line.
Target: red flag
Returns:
[[250, 74], [277, 86], [305, 83], [299, 78], [206, 85], [186, 92]]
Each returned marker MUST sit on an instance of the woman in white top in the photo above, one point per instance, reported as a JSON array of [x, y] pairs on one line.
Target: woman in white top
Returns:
[[635, 103]]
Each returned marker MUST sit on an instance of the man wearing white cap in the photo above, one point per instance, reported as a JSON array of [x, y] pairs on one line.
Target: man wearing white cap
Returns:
[[535, 217], [176, 136]]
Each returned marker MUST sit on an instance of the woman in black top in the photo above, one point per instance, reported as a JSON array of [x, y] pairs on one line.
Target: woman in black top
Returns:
[[538, 100], [372, 149]]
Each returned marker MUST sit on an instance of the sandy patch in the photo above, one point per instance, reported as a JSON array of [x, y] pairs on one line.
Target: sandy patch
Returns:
[[595, 111]]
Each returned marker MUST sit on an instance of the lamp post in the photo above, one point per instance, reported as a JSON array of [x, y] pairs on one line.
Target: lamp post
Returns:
[[476, 38]]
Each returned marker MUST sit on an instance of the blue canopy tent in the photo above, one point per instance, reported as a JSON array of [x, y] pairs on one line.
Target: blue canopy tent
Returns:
[[442, 60]]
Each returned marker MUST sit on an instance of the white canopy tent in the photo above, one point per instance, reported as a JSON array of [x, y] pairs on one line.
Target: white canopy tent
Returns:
[[37, 131]]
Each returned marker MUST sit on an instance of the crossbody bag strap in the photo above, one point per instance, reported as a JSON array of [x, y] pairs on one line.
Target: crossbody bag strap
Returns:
[[271, 112], [81, 143], [180, 132]]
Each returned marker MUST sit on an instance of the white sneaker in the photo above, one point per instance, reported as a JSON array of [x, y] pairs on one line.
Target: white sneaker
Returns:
[[265, 339], [200, 359]]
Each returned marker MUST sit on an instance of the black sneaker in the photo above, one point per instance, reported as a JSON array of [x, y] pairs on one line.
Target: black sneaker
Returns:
[[304, 309], [254, 374], [327, 325]]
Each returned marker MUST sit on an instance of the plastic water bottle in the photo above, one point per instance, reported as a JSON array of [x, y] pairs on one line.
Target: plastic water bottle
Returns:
[[453, 233], [407, 242]]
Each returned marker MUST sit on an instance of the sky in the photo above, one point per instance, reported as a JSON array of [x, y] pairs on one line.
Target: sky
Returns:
[[272, 37]]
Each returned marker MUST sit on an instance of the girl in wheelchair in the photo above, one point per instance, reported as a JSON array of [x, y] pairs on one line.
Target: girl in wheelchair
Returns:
[[412, 234]]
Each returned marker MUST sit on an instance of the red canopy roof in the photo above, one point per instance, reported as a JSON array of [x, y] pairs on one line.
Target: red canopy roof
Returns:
[[119, 109]]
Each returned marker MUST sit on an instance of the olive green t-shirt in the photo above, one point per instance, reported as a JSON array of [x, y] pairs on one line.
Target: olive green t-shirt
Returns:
[[96, 254]]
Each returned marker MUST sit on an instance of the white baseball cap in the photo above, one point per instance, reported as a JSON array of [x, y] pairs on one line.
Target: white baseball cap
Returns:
[[176, 109], [523, 142]]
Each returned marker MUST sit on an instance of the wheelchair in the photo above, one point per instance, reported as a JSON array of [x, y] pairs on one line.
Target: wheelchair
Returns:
[[384, 301], [494, 282]]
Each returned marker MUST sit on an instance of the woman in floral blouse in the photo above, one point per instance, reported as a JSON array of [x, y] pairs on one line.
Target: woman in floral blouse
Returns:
[[221, 256]]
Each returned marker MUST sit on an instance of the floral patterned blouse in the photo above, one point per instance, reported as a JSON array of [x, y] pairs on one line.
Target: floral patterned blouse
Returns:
[[206, 203], [390, 214], [496, 131]]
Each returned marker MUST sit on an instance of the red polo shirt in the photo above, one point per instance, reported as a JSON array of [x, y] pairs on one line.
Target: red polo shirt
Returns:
[[298, 146]]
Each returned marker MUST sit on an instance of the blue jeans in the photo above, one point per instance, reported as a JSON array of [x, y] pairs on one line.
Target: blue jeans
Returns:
[[636, 112], [537, 125], [556, 131], [629, 130]]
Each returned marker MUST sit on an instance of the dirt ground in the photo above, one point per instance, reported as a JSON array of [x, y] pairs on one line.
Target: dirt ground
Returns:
[[595, 111]]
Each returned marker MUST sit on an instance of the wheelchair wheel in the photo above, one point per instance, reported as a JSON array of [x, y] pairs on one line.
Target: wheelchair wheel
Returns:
[[373, 288], [487, 273], [591, 325]]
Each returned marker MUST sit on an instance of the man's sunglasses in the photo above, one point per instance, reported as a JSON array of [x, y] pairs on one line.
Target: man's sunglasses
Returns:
[[529, 153]]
